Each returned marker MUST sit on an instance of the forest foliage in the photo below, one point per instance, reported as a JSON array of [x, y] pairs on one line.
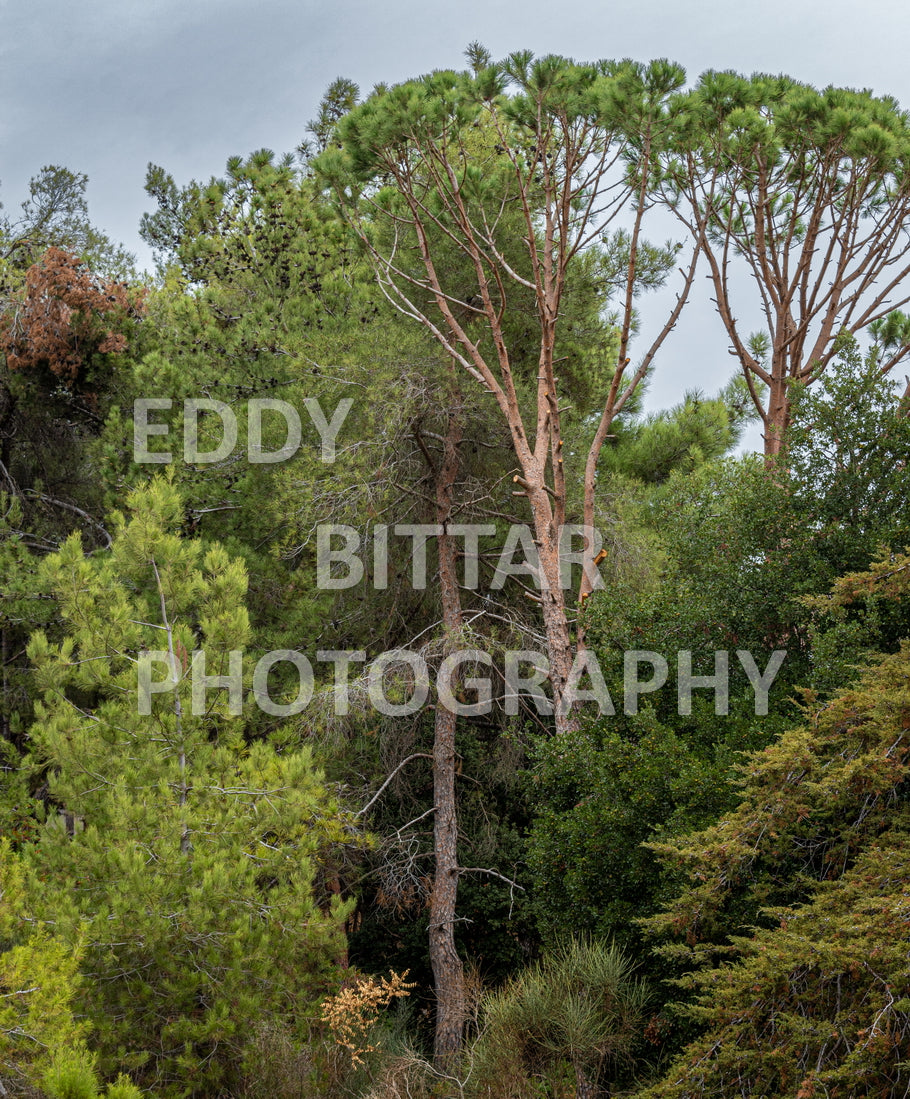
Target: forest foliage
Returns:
[[646, 832]]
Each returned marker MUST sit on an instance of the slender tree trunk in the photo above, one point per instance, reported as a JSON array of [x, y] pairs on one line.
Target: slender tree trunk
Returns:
[[777, 419], [553, 603], [342, 958], [448, 972], [585, 1087]]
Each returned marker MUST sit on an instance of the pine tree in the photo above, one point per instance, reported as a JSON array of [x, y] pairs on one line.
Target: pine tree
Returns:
[[478, 197], [808, 191], [39, 979], [182, 854], [802, 894]]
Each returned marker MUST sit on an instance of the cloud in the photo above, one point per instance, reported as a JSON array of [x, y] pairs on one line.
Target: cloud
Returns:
[[107, 86]]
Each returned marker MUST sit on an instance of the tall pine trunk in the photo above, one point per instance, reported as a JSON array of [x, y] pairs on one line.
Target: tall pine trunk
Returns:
[[448, 971]]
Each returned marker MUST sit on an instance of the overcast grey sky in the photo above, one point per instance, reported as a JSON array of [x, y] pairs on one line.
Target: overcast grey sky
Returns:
[[105, 86]]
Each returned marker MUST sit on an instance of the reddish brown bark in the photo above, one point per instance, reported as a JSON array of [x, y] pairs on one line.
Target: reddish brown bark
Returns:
[[565, 178], [821, 230]]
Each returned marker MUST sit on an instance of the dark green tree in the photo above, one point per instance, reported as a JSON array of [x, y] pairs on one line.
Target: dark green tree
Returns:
[[794, 915]]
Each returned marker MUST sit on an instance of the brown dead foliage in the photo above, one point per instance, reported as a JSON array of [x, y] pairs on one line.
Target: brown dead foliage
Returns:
[[65, 315]]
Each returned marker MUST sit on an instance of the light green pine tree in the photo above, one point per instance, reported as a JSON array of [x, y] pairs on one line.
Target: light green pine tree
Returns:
[[185, 857]]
